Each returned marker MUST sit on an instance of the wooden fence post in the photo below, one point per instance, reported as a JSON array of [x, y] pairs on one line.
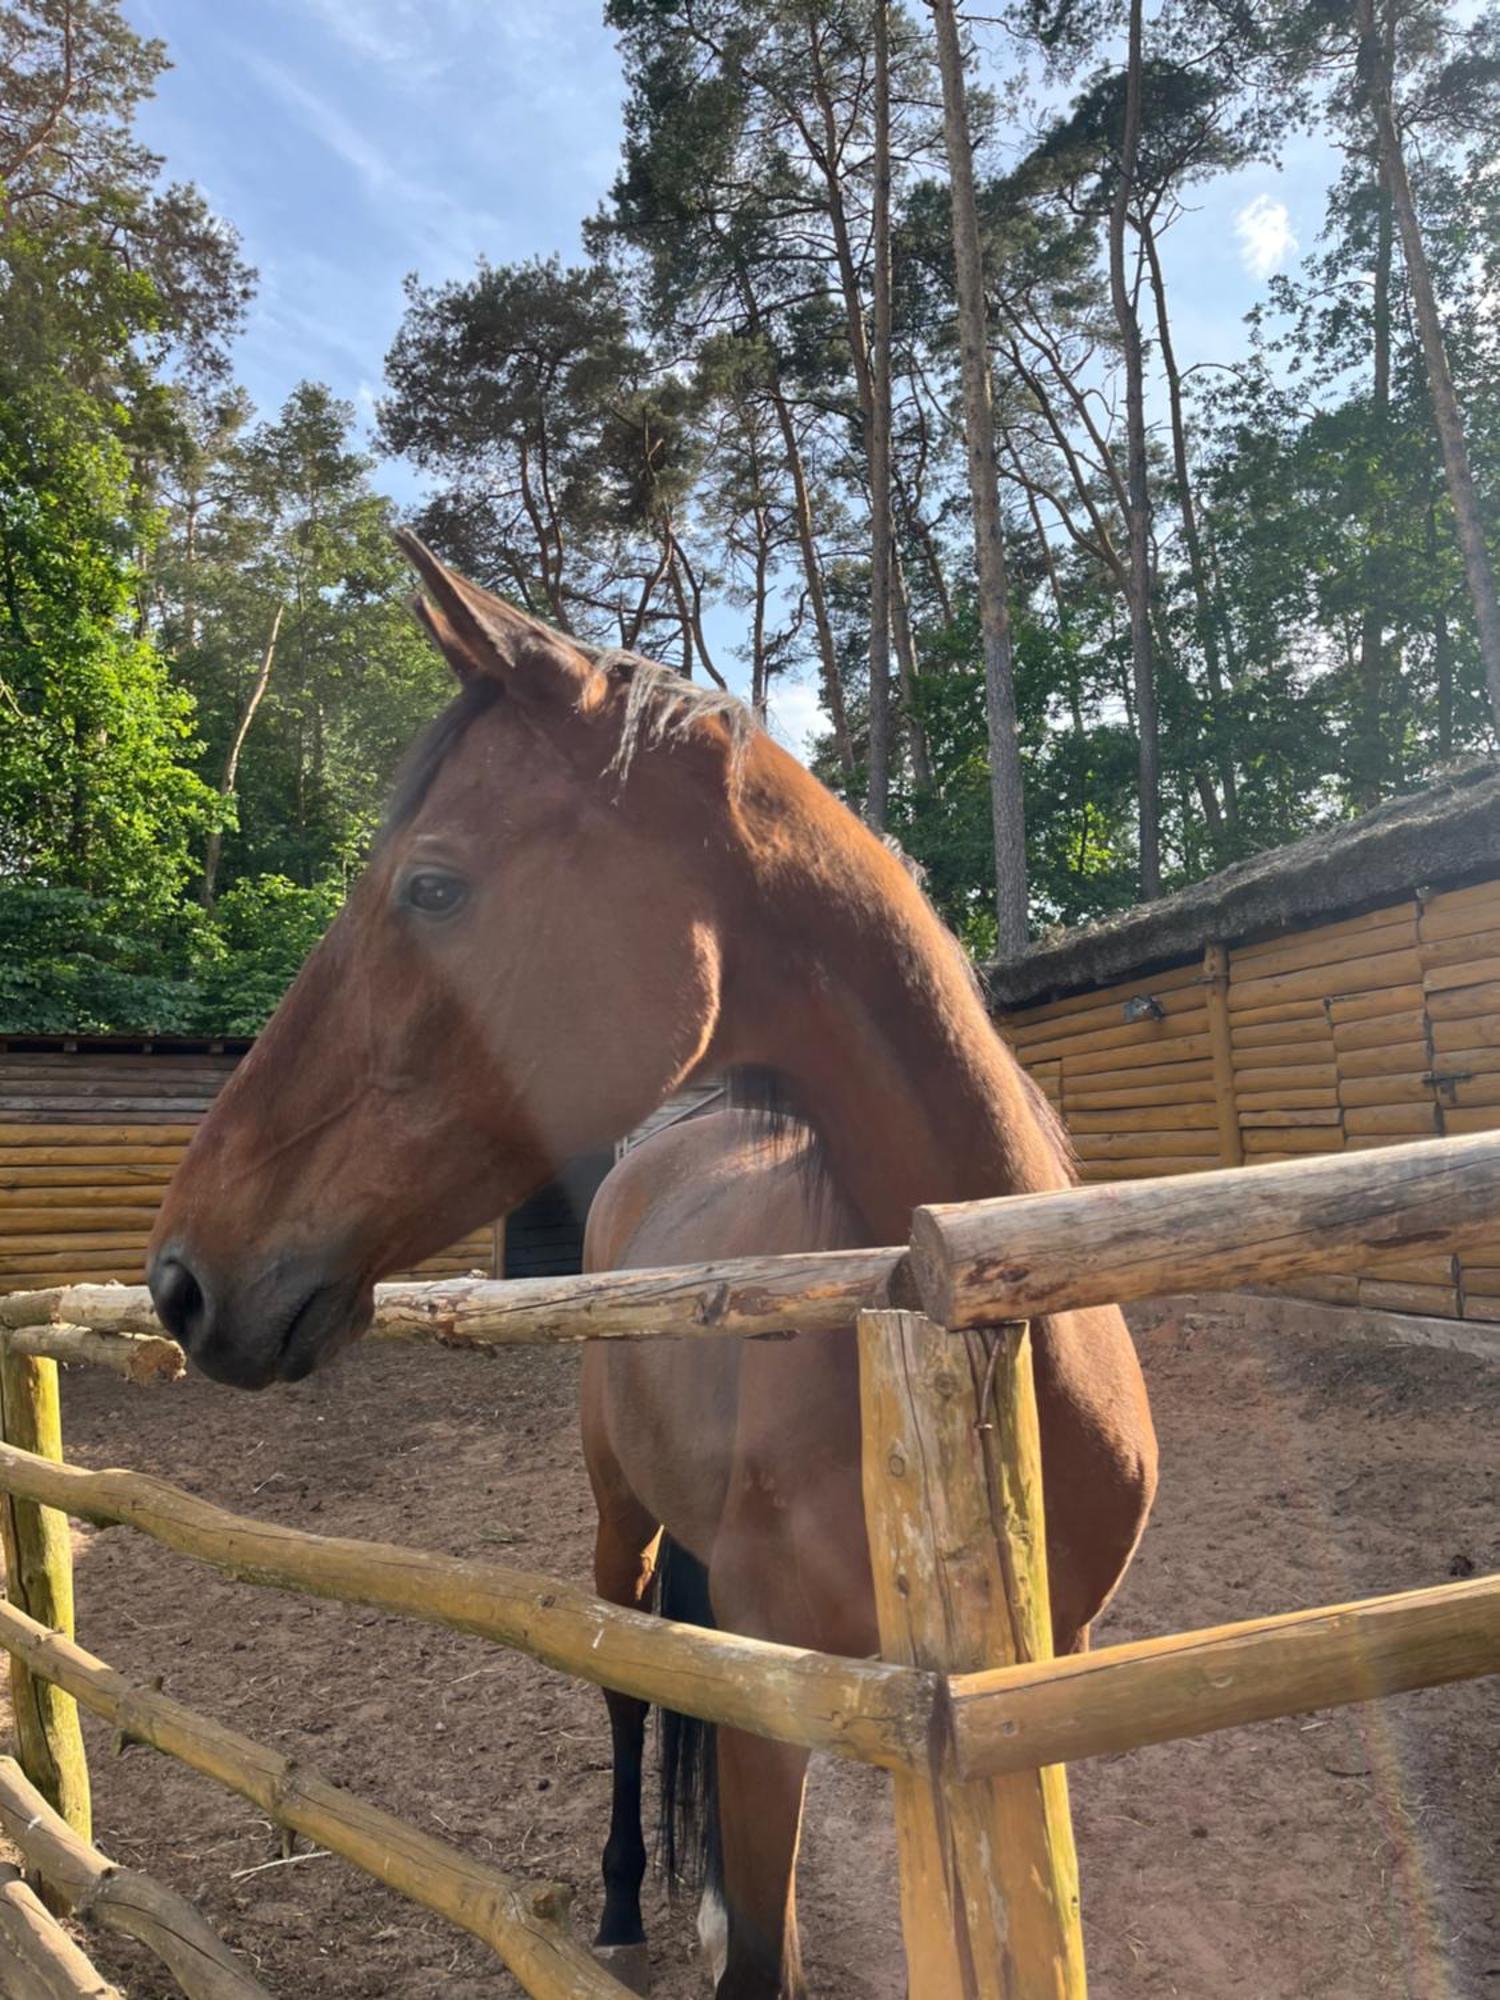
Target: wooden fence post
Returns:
[[953, 1502], [39, 1572], [1216, 992]]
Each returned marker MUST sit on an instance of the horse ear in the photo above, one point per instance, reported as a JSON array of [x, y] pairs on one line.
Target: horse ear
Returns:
[[479, 633]]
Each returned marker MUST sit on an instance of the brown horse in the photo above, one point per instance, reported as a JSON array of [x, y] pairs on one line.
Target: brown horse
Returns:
[[595, 884]]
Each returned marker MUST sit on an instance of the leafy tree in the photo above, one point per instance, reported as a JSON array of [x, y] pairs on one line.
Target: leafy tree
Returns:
[[74, 964], [564, 461], [95, 793], [262, 929], [282, 600]]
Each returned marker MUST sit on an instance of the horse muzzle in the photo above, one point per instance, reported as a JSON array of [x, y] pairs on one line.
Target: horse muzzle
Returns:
[[275, 1324]]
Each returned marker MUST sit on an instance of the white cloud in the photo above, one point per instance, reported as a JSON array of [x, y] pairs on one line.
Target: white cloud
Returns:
[[412, 202], [796, 716], [1266, 238], [319, 116]]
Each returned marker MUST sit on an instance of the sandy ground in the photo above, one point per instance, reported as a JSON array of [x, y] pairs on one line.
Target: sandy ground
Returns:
[[1339, 1857]]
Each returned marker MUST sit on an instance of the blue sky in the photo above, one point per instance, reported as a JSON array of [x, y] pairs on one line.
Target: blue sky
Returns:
[[352, 141]]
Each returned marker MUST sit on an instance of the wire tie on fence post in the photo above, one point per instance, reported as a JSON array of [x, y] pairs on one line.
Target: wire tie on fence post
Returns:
[[987, 1389]]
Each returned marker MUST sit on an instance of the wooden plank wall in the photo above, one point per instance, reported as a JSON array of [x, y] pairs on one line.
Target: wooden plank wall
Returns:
[[1383, 1027], [88, 1141]]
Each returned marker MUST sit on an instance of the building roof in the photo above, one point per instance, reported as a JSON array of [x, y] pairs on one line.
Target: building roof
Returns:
[[1443, 835]]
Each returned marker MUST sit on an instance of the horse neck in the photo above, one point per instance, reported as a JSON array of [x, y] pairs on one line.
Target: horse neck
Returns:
[[862, 1002]]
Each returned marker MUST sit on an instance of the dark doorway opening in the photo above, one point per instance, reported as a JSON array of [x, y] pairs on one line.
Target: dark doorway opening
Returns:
[[544, 1236]]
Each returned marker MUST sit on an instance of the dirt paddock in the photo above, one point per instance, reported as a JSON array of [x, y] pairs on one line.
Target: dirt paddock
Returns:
[[1337, 1857]]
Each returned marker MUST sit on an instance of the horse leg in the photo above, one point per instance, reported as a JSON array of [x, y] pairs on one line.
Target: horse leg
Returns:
[[624, 1562], [790, 1564], [760, 1819]]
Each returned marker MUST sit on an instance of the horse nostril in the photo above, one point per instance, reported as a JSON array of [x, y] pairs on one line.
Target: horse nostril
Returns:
[[179, 1300]]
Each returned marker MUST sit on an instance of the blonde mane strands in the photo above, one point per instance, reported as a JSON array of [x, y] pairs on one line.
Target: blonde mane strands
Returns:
[[663, 708]]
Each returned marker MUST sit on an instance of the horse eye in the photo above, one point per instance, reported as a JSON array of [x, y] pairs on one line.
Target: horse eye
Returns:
[[434, 892]]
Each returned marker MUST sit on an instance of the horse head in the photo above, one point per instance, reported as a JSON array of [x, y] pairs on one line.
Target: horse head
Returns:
[[530, 963]]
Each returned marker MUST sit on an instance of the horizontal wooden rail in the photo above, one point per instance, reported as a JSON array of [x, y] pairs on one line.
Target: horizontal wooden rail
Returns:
[[977, 1262], [525, 1922], [970, 1264], [139, 1357], [747, 1296], [864, 1709], [38, 1960], [1191, 1683], [102, 1893]]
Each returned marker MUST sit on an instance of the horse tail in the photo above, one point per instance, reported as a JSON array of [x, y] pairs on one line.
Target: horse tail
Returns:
[[688, 1828]]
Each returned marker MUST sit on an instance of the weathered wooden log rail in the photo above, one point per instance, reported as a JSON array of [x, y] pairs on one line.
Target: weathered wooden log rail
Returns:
[[863, 1709], [38, 1960], [966, 1708], [106, 1896], [525, 1922], [973, 1264]]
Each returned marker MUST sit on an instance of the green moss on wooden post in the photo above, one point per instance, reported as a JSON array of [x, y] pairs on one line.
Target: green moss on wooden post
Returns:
[[39, 1573]]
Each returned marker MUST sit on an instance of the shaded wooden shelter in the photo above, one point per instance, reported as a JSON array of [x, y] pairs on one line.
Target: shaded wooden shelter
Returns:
[[91, 1130], [1340, 993]]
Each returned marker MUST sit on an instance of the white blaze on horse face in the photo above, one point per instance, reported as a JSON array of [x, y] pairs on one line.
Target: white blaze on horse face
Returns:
[[713, 1932]]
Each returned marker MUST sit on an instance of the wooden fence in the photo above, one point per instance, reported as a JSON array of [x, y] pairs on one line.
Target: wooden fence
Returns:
[[1338, 1038], [965, 1707]]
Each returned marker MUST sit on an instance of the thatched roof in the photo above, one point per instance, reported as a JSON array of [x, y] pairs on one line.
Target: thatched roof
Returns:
[[1446, 834]]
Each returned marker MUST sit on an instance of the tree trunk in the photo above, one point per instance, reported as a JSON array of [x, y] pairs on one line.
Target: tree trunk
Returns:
[[906, 665], [833, 687], [215, 848], [1137, 492], [1007, 805], [1211, 614], [1369, 748], [878, 780], [1462, 496], [868, 373], [1442, 649], [1074, 689]]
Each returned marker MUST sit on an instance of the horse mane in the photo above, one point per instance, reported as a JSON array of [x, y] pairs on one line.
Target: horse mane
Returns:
[[663, 707], [427, 755]]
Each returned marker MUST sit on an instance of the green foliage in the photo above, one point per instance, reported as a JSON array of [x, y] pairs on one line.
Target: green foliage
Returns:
[[75, 963], [94, 790], [260, 932], [71, 964], [207, 673], [282, 516]]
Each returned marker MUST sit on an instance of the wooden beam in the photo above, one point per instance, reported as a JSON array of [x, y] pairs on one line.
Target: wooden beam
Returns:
[[99, 1891], [1204, 1232], [1280, 940], [1216, 985], [525, 1922], [1383, 970], [953, 1499], [38, 1960], [1024, 1256], [819, 1292], [856, 1708], [1191, 1683], [139, 1357], [39, 1580]]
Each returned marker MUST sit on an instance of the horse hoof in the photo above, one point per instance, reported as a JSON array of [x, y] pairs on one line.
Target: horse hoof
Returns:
[[629, 1963]]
